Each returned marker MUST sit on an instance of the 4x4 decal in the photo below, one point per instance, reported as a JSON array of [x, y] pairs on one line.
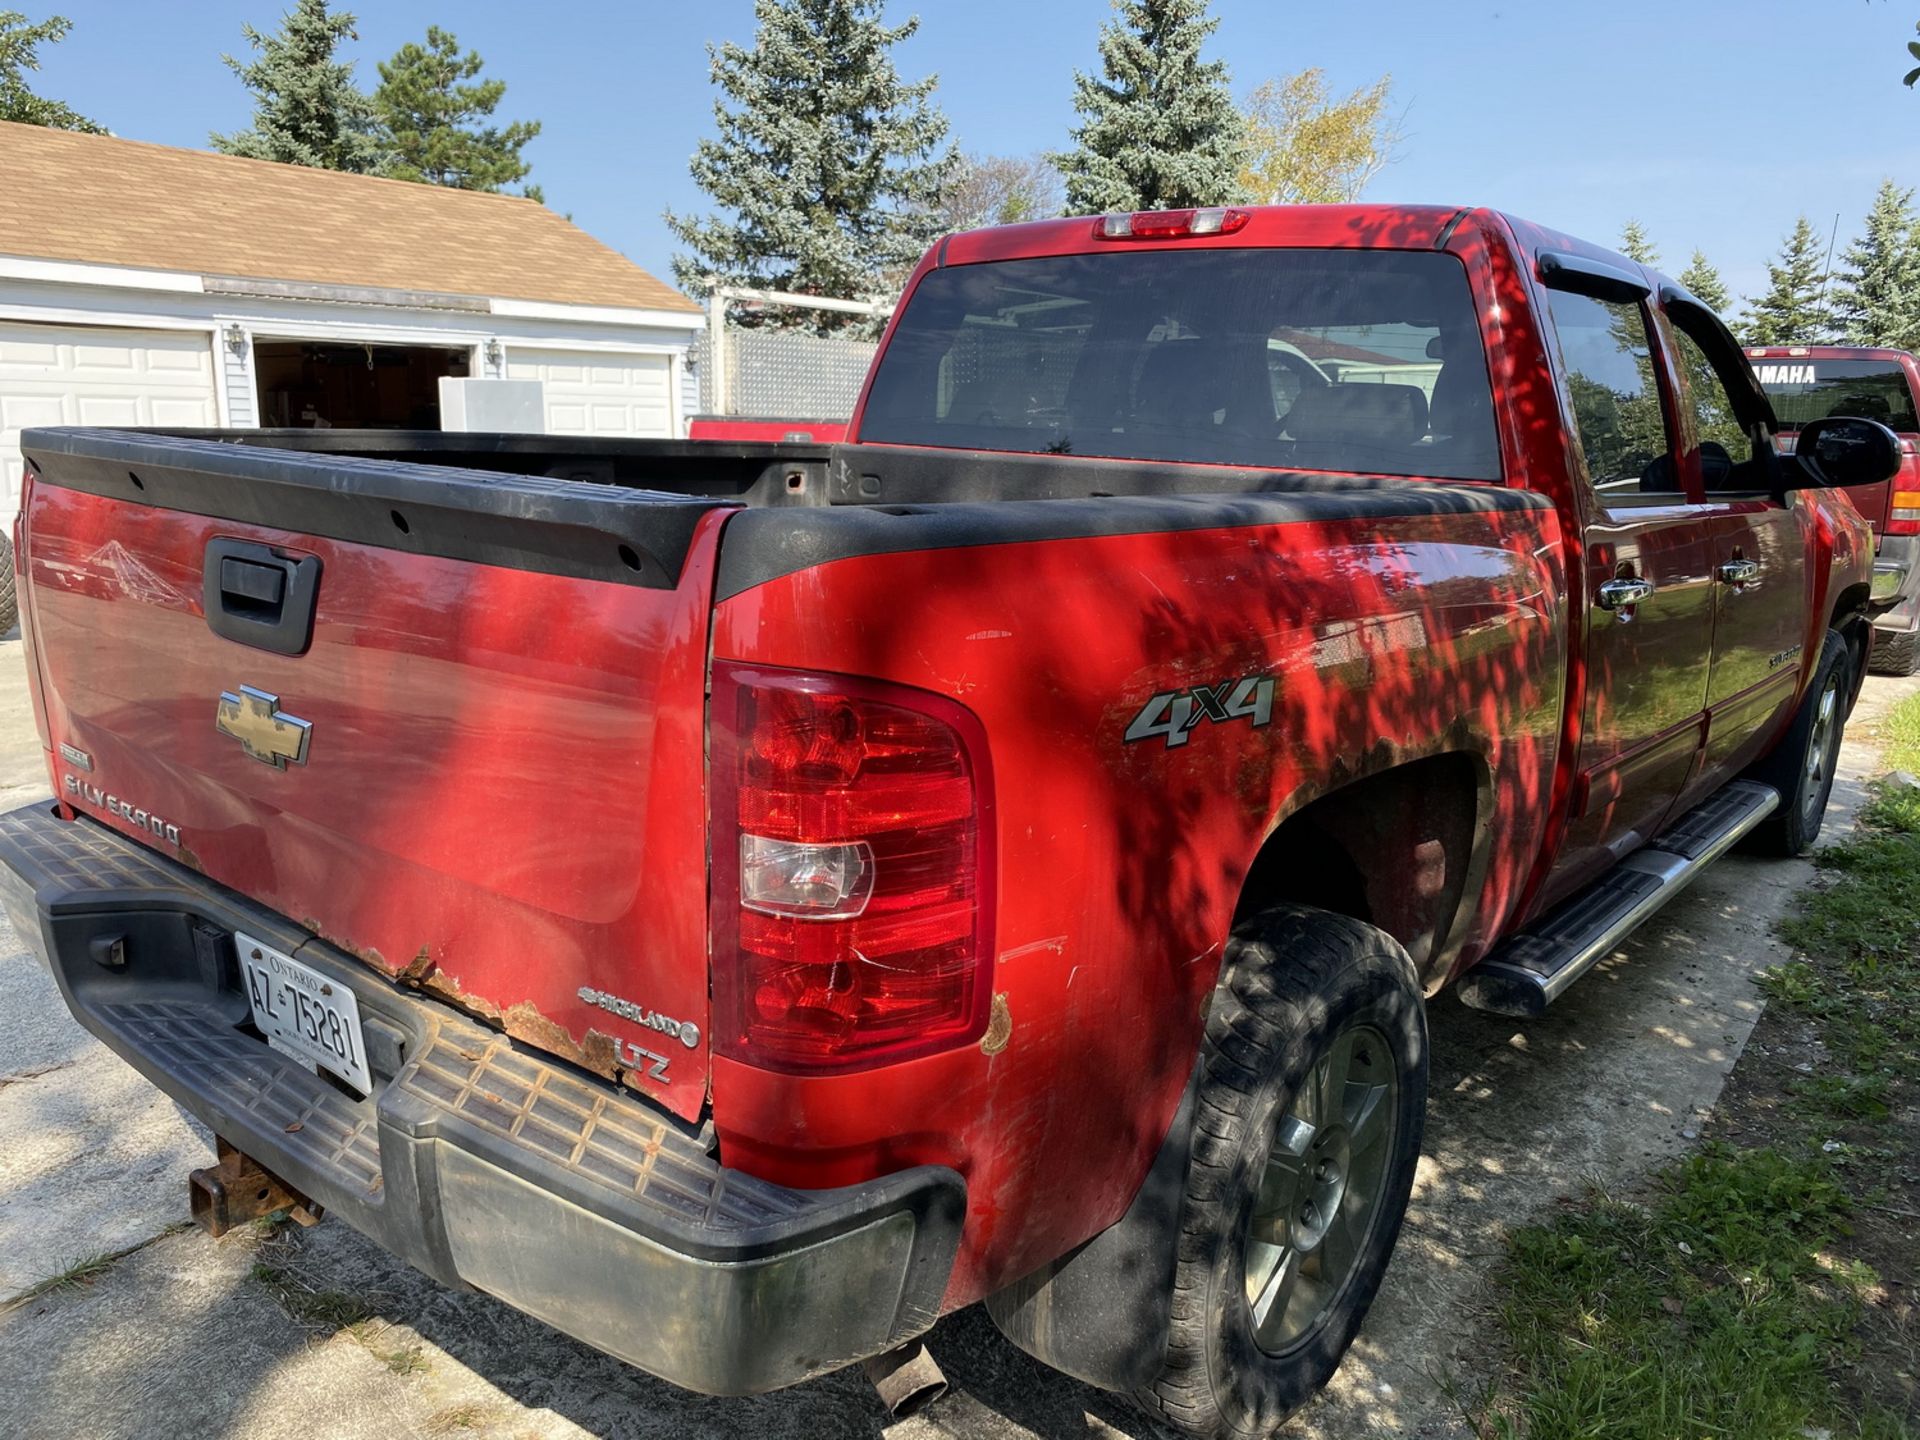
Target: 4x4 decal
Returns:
[[1175, 713]]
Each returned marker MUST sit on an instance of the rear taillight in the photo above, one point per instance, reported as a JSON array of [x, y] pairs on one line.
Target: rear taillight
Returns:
[[1904, 516], [852, 874]]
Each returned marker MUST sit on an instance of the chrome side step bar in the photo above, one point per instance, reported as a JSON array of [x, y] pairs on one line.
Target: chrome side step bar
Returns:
[[1533, 969]]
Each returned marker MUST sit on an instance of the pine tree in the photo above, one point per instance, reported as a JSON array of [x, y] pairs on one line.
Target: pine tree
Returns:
[[1877, 300], [432, 123], [830, 167], [1704, 281], [1635, 245], [19, 46], [307, 110], [1792, 312], [1159, 128]]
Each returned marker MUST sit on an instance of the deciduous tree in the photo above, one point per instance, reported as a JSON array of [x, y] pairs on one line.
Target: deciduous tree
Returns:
[[1158, 128], [306, 108], [1876, 298], [827, 167], [1791, 312], [1308, 146], [434, 123], [1000, 190], [20, 42]]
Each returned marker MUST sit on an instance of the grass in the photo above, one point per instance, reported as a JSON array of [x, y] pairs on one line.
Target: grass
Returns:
[[1734, 1299], [1901, 738], [81, 1273]]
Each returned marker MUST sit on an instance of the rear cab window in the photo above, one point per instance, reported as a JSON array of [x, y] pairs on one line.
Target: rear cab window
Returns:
[[1805, 389], [1352, 361]]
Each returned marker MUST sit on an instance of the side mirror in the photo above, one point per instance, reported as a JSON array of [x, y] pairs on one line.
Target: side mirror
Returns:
[[1844, 450]]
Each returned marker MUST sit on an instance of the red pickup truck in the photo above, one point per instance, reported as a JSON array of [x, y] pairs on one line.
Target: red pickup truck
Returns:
[[1811, 382], [741, 902]]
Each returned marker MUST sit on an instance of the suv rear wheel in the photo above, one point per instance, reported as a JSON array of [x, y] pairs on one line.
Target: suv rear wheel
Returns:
[[1306, 1135]]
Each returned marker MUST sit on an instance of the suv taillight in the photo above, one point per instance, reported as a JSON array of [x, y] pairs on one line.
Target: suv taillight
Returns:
[[1903, 518], [852, 871]]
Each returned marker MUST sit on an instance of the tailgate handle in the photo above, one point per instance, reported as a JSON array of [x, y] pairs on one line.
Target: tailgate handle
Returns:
[[257, 596]]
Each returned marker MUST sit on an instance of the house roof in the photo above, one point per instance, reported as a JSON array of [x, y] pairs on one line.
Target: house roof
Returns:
[[103, 200]]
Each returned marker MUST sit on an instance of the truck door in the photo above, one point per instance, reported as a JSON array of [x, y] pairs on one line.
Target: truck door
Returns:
[[1648, 554], [1762, 587]]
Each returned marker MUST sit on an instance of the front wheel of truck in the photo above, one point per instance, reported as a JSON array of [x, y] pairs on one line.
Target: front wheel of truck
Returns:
[[1306, 1134]]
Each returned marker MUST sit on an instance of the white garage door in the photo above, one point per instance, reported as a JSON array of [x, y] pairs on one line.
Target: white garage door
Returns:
[[78, 375], [589, 393]]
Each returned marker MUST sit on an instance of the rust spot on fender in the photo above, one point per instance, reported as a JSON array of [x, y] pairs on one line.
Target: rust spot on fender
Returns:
[[417, 967], [999, 1027]]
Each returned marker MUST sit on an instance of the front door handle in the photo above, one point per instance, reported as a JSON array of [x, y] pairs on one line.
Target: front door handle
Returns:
[[1619, 594], [1740, 572]]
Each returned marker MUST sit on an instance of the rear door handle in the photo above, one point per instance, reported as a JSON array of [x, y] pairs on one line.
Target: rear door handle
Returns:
[[1740, 572], [1619, 594]]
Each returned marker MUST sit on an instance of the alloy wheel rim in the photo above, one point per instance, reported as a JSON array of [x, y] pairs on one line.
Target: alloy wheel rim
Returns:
[[1820, 749], [1320, 1192]]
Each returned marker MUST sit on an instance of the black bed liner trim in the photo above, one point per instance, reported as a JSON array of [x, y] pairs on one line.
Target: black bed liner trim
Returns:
[[987, 500], [517, 521]]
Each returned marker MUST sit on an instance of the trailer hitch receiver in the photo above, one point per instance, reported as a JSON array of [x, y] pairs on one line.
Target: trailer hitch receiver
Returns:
[[238, 1189]]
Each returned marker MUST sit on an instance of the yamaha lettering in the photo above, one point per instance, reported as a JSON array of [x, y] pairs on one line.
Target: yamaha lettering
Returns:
[[1174, 713], [1785, 374]]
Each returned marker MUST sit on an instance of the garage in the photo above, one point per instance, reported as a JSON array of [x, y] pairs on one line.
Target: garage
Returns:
[[75, 375], [599, 393]]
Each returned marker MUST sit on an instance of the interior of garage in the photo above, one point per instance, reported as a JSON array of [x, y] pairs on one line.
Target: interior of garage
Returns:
[[311, 384]]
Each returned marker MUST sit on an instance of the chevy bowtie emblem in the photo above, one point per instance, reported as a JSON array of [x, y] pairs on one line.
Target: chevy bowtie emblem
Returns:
[[264, 730]]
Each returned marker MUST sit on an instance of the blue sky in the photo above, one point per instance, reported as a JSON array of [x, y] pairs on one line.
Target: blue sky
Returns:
[[1711, 121]]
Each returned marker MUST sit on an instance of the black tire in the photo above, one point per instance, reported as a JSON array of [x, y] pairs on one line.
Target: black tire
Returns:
[[9, 599], [1894, 652], [1296, 982], [1804, 786]]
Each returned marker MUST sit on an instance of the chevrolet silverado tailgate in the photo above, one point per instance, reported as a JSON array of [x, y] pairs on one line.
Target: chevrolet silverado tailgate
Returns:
[[450, 722]]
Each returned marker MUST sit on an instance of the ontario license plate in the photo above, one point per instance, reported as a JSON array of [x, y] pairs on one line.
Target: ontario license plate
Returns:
[[303, 1013]]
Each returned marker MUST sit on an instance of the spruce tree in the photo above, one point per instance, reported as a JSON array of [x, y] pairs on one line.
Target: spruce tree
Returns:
[[306, 108], [1877, 295], [432, 123], [1635, 245], [1704, 281], [19, 46], [1159, 128], [1792, 311], [828, 167]]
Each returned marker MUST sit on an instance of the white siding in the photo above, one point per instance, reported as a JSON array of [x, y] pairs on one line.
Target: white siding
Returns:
[[594, 392], [81, 375], [236, 377]]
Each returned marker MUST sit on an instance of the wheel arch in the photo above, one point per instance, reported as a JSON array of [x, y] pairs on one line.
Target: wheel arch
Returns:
[[1402, 848]]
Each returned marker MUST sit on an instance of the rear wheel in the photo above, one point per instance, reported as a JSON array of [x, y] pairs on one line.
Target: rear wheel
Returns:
[[1802, 768], [9, 596], [1307, 1133], [1894, 652]]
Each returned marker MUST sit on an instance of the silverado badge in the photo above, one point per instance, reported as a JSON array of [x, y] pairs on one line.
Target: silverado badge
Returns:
[[264, 730]]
